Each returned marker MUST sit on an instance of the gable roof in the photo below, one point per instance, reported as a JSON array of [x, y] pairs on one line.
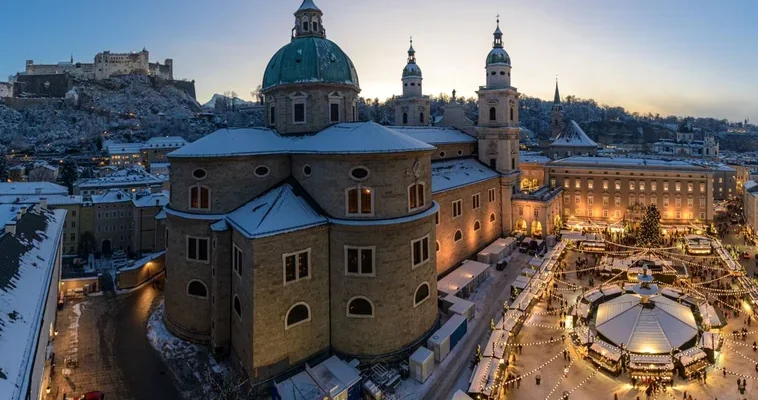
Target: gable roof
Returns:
[[451, 174], [282, 209], [573, 136], [434, 134]]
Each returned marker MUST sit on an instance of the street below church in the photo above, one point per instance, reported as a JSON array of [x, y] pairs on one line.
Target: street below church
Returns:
[[102, 346]]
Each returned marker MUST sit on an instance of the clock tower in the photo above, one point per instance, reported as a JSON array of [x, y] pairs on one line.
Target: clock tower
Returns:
[[498, 127]]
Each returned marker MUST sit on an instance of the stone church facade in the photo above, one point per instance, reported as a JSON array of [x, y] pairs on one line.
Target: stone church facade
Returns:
[[318, 234]]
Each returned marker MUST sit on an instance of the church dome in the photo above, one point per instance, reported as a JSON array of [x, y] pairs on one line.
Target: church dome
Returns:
[[498, 55], [310, 59], [411, 70]]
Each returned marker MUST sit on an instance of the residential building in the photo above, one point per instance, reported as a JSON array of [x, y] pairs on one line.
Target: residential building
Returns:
[[156, 148], [750, 206], [43, 172], [125, 154], [30, 245], [129, 179], [146, 206], [113, 222]]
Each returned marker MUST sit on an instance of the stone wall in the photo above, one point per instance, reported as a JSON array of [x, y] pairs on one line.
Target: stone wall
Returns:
[[140, 273], [389, 178], [232, 180], [54, 85], [453, 150], [451, 253], [396, 323], [317, 100]]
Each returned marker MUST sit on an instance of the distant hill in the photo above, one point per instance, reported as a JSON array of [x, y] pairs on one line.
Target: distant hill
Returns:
[[238, 103]]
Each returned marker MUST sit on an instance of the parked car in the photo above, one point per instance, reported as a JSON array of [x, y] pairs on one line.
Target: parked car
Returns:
[[96, 395], [501, 265]]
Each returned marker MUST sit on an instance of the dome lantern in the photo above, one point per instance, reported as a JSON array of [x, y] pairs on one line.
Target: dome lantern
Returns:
[[308, 21], [498, 63], [412, 75]]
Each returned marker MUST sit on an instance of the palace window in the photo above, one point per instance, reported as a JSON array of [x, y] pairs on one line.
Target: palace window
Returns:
[[577, 183], [617, 214], [491, 194], [420, 251], [702, 201], [334, 112], [642, 186], [590, 184], [678, 186], [665, 201], [492, 217], [359, 261], [475, 202], [690, 203], [415, 196], [617, 201], [605, 213], [405, 118], [631, 185], [272, 115], [421, 117], [360, 201], [677, 202], [458, 236], [566, 183], [690, 187], [457, 208], [296, 265], [298, 112], [477, 226], [198, 249], [605, 200], [577, 199], [590, 199], [702, 187], [199, 197], [618, 185], [493, 114], [360, 307], [605, 184], [520, 211], [653, 186], [299, 313], [422, 294]]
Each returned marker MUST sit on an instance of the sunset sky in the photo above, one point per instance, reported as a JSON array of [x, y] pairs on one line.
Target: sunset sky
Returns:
[[670, 57]]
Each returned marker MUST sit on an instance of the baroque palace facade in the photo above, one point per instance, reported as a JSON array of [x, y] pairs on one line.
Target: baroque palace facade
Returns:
[[320, 234]]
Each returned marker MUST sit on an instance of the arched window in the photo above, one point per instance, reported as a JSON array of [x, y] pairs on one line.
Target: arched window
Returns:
[[197, 288], [493, 114], [305, 26], [237, 306], [405, 118], [422, 294], [315, 26], [438, 245], [360, 307], [512, 113], [477, 226], [199, 197], [458, 235], [421, 118], [299, 313], [492, 217]]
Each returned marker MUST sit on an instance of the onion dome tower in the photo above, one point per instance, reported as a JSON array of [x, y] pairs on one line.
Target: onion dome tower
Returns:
[[412, 108], [310, 83], [498, 62]]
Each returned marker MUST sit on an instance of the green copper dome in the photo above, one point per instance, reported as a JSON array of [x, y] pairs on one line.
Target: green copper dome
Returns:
[[310, 60], [411, 70], [498, 55]]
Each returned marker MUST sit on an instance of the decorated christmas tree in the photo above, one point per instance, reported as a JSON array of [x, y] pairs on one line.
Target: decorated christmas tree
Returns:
[[650, 230]]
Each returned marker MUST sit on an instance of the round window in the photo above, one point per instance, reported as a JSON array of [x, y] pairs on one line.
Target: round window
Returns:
[[442, 154], [502, 72], [199, 173], [460, 152], [261, 171], [413, 84], [359, 173], [493, 72], [307, 170]]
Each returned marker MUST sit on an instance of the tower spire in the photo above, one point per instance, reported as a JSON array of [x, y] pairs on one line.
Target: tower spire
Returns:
[[557, 97], [411, 53], [498, 43]]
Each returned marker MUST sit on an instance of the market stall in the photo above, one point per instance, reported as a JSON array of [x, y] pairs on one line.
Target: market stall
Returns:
[[691, 362], [487, 378], [606, 356], [646, 367]]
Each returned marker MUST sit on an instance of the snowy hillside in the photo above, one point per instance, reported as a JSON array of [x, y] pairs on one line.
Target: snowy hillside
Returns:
[[239, 103]]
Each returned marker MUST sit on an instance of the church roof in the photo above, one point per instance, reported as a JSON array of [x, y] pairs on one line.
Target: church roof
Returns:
[[435, 135], [557, 97], [573, 136], [280, 210], [344, 138], [451, 174], [308, 5]]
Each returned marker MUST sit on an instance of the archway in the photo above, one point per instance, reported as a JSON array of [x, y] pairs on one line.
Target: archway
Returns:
[[520, 226], [105, 246], [536, 228]]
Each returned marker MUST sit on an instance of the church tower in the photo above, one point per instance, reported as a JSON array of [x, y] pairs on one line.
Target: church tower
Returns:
[[412, 108], [556, 120], [498, 128]]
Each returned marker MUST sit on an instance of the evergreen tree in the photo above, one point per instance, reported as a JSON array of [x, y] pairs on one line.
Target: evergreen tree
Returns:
[[650, 229], [99, 142], [3, 168], [69, 175]]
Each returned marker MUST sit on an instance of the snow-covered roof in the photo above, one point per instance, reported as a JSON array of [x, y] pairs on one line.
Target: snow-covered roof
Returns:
[[530, 157], [573, 136], [27, 261], [280, 210], [335, 374], [125, 177], [159, 165], [125, 148], [31, 188], [53, 200], [460, 277], [111, 196], [151, 199], [626, 163], [451, 174], [435, 135], [345, 138], [165, 142], [644, 329]]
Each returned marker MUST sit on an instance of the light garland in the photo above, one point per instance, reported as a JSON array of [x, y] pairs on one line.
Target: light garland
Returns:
[[560, 380], [534, 370]]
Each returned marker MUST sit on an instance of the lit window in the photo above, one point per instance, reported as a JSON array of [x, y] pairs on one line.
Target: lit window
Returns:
[[678, 186], [359, 261], [296, 266], [690, 186], [198, 249], [618, 185], [360, 201], [457, 208], [298, 314], [566, 183], [415, 196], [702, 187], [605, 213], [590, 184], [631, 185], [665, 186], [420, 251], [590, 199], [605, 184], [577, 199], [653, 186], [577, 183], [642, 186], [200, 197]]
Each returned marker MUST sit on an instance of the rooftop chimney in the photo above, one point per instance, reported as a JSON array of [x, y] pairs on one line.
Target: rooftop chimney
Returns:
[[10, 227]]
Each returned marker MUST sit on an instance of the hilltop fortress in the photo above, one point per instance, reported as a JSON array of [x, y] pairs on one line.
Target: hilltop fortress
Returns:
[[106, 65]]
